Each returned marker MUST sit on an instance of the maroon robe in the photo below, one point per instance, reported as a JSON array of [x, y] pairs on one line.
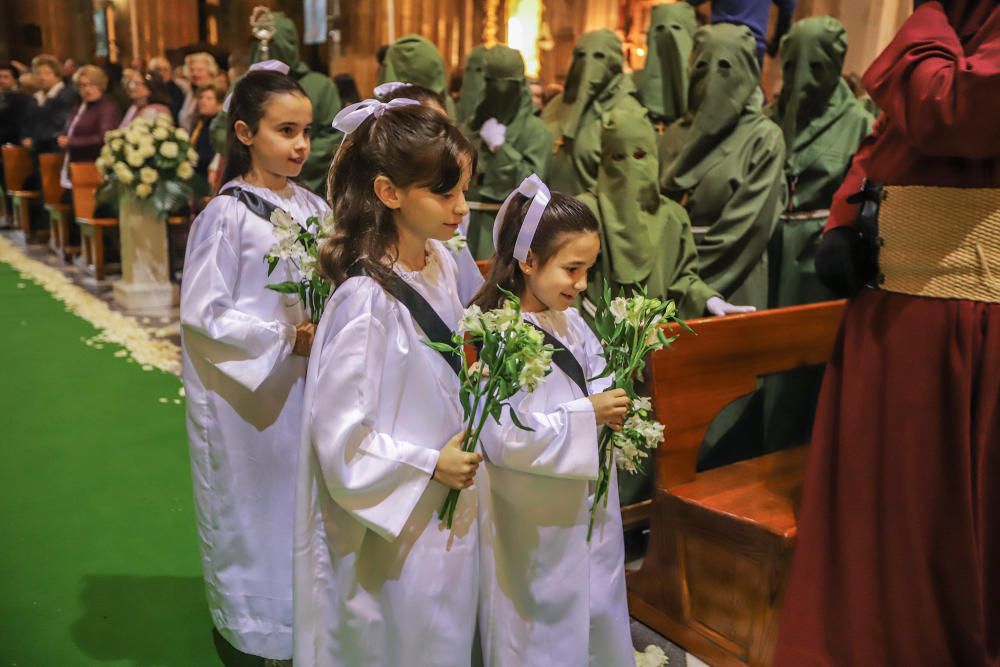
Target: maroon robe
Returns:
[[898, 554]]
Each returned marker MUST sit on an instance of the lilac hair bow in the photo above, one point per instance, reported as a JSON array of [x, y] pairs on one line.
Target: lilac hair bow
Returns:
[[350, 117], [386, 89], [267, 65], [538, 192]]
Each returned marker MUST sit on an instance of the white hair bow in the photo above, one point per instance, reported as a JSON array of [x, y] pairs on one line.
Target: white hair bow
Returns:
[[350, 117], [267, 65], [534, 188]]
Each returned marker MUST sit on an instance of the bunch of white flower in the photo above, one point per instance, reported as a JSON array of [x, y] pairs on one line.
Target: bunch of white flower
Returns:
[[299, 246], [513, 357]]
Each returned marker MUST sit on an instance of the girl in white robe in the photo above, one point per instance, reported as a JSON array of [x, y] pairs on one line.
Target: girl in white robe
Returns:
[[244, 370], [379, 579], [548, 596]]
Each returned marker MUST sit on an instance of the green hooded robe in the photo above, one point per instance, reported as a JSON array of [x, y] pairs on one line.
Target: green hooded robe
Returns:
[[662, 83], [473, 83], [646, 238], [725, 164], [322, 92], [594, 86], [823, 125], [526, 150], [415, 59]]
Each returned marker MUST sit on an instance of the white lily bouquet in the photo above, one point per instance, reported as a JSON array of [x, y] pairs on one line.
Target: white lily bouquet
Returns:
[[299, 244], [152, 160], [512, 357], [629, 329]]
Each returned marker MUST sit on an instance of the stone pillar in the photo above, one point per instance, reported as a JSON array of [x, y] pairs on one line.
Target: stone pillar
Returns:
[[145, 284]]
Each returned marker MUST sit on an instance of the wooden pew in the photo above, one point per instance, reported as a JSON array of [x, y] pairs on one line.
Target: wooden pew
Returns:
[[85, 179], [50, 166], [17, 167], [720, 541]]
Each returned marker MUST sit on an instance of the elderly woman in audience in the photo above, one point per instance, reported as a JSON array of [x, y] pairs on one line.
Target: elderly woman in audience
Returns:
[[200, 70], [97, 114], [149, 96], [54, 103]]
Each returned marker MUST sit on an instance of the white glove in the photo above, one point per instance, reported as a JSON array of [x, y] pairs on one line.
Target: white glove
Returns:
[[493, 133], [718, 307]]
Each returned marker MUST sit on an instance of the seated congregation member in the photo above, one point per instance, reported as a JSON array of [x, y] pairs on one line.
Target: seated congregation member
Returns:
[[51, 108], [548, 595], [149, 97], [646, 240], [511, 141], [210, 100], [415, 59], [897, 557], [662, 84], [379, 579], [161, 66], [594, 86], [725, 165], [97, 114], [473, 84], [200, 70], [244, 349], [823, 124]]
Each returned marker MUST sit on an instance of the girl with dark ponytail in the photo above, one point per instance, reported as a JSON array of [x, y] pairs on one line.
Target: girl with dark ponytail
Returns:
[[245, 349], [379, 579]]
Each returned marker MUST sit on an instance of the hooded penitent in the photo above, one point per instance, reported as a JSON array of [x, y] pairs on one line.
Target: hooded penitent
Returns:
[[526, 148], [415, 59], [595, 85], [662, 83], [473, 82], [725, 162]]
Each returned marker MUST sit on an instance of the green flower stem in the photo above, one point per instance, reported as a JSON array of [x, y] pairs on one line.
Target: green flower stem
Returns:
[[469, 442]]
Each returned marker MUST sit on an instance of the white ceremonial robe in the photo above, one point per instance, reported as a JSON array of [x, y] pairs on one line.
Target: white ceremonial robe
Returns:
[[548, 597], [379, 580], [244, 416]]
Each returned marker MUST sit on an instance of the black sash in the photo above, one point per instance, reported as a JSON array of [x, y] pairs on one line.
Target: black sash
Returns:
[[257, 205], [423, 313], [565, 360]]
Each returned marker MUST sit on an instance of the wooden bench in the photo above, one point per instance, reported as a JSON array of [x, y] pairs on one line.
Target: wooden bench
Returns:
[[50, 167], [720, 541], [85, 179], [18, 167]]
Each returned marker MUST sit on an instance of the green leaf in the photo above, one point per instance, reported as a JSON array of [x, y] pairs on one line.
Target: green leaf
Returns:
[[440, 347], [272, 263], [517, 422], [287, 287]]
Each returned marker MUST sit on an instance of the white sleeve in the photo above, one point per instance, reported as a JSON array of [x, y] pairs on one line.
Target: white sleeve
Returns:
[[562, 442], [375, 477], [470, 279], [242, 346]]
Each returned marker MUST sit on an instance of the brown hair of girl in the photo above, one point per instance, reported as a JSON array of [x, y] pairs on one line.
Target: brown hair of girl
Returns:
[[563, 216], [412, 146]]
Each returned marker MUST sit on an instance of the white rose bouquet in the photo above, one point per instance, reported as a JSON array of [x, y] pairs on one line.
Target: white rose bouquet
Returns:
[[299, 244], [154, 161], [512, 357], [629, 329]]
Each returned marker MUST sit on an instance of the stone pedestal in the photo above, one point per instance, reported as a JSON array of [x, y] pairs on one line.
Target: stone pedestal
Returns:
[[145, 285]]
